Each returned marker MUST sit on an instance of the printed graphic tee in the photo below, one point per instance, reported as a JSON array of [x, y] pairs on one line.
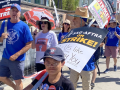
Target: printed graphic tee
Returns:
[[112, 40], [18, 35], [62, 84], [44, 41]]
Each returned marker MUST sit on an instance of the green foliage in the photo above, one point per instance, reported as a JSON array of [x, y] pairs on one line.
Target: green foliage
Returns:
[[22, 18], [30, 24], [69, 5]]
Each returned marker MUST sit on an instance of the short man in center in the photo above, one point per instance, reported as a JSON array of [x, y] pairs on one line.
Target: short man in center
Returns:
[[54, 61]]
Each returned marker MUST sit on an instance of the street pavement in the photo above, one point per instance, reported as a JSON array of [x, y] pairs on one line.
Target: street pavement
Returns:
[[109, 81]]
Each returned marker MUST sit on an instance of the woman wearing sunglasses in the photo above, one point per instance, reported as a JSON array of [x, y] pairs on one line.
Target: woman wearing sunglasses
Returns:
[[43, 40], [65, 30]]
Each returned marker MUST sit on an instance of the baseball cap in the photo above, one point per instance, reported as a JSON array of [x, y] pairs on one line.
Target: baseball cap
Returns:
[[17, 6], [54, 53], [113, 20], [67, 21]]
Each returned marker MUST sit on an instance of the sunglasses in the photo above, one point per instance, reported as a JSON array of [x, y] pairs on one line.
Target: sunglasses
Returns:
[[43, 22], [66, 24], [94, 26]]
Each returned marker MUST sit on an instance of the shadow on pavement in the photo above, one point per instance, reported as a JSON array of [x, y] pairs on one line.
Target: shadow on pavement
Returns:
[[108, 79], [118, 83], [111, 69], [79, 86], [102, 62]]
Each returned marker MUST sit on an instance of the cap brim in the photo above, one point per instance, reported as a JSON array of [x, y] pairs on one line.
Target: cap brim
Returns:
[[53, 57], [77, 16], [112, 21], [115, 22]]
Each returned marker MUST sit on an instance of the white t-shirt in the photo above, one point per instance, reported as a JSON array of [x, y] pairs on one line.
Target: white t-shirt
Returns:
[[44, 41]]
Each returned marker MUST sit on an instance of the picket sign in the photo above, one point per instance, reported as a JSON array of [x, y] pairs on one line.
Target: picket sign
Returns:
[[5, 8], [100, 12], [80, 44]]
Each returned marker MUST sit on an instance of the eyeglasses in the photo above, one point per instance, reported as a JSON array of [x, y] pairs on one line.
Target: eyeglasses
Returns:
[[53, 64], [66, 24], [43, 22]]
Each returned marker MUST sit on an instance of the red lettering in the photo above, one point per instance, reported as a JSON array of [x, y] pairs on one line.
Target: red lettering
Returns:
[[102, 5], [4, 13]]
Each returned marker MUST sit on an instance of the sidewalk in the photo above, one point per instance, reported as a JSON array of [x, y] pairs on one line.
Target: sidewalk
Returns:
[[109, 81]]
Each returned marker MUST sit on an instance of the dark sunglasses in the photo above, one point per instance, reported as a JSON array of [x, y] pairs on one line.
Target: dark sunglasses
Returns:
[[43, 22], [66, 24]]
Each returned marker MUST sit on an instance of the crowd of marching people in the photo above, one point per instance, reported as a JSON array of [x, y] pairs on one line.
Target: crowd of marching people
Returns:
[[50, 58]]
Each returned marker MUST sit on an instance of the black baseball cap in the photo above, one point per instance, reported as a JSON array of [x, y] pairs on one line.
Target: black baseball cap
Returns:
[[54, 53]]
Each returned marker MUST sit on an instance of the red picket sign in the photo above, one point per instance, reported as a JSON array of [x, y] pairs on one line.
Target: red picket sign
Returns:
[[4, 13]]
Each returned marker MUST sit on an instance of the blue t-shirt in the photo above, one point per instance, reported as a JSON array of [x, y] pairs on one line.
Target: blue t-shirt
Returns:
[[112, 40], [90, 65], [19, 35], [62, 34]]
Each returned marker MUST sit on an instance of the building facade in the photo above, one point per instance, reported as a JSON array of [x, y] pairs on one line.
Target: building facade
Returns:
[[85, 2], [40, 2]]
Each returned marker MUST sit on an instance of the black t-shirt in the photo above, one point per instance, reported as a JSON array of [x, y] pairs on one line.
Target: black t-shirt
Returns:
[[62, 84]]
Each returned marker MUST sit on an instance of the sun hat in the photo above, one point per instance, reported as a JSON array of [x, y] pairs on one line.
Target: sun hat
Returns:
[[81, 12], [44, 19]]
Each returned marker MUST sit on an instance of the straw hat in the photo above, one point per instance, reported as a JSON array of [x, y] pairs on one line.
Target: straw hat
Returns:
[[67, 21], [81, 12]]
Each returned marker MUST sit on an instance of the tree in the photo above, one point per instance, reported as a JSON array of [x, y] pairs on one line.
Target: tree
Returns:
[[69, 5]]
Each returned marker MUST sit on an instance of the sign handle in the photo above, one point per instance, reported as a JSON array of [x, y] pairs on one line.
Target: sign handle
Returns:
[[5, 31], [56, 12], [91, 22]]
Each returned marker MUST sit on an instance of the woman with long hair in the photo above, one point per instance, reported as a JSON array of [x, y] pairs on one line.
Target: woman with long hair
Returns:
[[65, 30], [43, 40]]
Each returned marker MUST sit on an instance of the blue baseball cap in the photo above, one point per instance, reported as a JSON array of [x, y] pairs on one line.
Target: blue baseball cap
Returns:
[[54, 53], [17, 6]]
